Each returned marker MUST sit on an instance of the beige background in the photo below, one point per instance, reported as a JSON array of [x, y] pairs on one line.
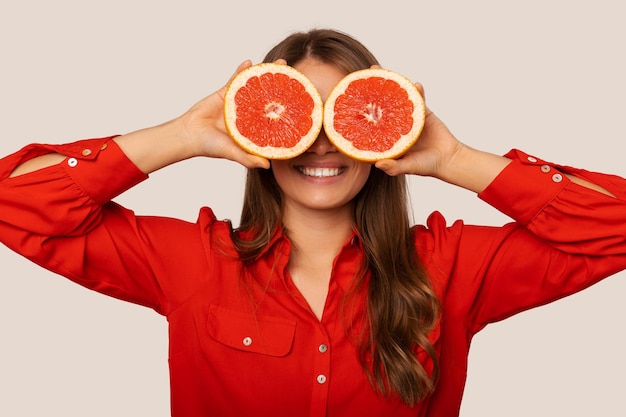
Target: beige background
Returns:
[[545, 76]]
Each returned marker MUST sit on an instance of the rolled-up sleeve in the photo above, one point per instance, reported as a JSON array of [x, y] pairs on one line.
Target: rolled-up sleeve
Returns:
[[565, 238], [63, 198], [573, 218], [62, 217]]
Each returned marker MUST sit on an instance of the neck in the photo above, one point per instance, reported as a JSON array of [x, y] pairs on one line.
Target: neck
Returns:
[[317, 233], [316, 236]]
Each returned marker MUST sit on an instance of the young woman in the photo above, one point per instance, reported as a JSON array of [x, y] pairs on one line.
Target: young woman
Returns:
[[325, 301]]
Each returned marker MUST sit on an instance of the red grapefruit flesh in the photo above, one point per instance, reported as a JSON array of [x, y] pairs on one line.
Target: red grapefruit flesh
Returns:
[[273, 111], [374, 114]]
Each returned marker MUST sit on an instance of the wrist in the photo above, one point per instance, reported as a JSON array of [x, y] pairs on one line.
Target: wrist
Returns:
[[472, 169], [187, 143], [156, 147]]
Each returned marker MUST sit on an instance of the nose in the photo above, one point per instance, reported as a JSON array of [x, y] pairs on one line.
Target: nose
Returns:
[[322, 145]]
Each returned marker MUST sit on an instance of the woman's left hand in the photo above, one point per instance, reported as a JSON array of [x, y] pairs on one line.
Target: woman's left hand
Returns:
[[429, 155], [437, 153]]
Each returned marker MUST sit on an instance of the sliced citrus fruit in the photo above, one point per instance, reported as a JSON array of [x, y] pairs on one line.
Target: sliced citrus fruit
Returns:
[[273, 110], [374, 114]]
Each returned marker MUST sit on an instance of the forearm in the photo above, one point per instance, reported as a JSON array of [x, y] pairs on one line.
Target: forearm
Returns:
[[475, 170], [472, 169], [576, 219], [64, 198], [156, 147], [149, 149]]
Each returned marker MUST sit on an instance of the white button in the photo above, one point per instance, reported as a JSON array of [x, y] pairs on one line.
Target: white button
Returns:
[[531, 159], [545, 168], [557, 178], [86, 152], [104, 146], [323, 348], [72, 162], [321, 379], [247, 341]]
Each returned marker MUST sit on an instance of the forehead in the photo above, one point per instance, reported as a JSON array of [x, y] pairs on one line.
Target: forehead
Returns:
[[323, 75]]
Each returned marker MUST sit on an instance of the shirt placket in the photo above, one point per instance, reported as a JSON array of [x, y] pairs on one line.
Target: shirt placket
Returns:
[[343, 269], [321, 372]]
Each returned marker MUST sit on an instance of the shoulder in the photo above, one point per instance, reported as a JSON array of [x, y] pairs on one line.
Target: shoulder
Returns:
[[216, 233], [447, 247], [436, 243], [436, 233]]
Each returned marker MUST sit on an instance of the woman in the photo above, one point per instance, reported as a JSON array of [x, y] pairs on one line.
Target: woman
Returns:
[[324, 301]]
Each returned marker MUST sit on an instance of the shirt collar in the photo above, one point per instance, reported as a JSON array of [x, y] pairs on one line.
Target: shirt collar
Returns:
[[346, 266]]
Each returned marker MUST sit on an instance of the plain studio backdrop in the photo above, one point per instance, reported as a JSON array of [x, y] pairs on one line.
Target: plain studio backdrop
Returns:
[[544, 76]]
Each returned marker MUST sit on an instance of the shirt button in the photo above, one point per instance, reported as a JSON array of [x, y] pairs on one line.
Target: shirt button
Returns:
[[557, 178], [86, 152], [531, 159], [545, 168], [72, 162], [323, 348], [247, 341], [321, 379], [103, 147]]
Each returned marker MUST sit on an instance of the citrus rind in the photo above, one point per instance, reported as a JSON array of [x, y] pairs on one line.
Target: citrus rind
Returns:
[[403, 143], [272, 152]]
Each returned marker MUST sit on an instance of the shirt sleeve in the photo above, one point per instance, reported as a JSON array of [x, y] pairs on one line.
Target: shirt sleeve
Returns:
[[573, 218], [62, 218], [564, 238]]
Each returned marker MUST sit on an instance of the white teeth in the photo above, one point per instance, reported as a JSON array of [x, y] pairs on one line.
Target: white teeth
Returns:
[[320, 172]]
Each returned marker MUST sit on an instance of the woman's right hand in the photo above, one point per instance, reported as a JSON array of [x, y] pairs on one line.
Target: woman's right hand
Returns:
[[203, 125], [200, 131]]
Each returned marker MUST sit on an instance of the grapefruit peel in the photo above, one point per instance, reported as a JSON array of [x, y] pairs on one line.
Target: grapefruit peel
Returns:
[[273, 111], [374, 114]]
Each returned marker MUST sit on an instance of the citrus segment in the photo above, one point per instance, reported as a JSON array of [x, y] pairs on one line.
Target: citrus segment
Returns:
[[273, 111], [374, 114]]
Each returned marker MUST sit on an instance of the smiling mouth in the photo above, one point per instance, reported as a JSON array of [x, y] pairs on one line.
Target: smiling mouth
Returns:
[[320, 172]]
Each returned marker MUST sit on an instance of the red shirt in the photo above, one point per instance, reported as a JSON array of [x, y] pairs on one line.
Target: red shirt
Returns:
[[245, 342]]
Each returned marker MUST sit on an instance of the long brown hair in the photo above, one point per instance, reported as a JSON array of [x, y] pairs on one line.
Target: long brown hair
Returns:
[[402, 308]]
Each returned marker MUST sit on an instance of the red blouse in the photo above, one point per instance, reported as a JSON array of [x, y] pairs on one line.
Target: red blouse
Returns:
[[244, 341]]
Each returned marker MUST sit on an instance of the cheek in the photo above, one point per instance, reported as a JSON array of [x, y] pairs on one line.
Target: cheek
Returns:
[[280, 170], [364, 173], [360, 178]]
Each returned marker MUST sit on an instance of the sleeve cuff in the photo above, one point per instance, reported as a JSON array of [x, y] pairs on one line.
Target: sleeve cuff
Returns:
[[100, 168], [524, 187]]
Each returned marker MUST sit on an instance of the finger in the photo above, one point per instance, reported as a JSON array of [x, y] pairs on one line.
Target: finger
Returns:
[[253, 161], [238, 154], [388, 166], [280, 61], [420, 88], [245, 64], [394, 167], [248, 160]]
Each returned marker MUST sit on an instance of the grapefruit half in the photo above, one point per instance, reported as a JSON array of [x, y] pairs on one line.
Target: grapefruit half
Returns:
[[273, 111], [374, 114]]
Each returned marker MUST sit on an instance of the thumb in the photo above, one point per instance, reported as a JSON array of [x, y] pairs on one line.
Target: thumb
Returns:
[[388, 166], [245, 64], [253, 161]]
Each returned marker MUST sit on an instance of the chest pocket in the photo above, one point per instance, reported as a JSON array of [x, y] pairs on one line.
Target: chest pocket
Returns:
[[266, 335]]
